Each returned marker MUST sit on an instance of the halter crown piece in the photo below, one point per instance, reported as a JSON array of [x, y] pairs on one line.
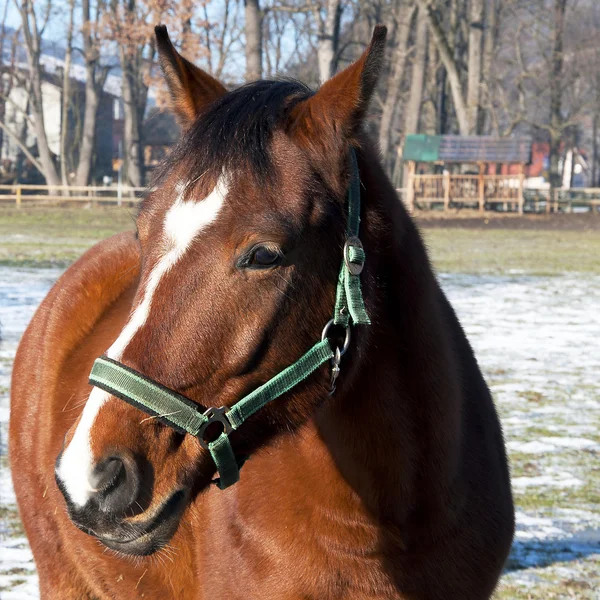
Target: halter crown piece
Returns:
[[183, 415]]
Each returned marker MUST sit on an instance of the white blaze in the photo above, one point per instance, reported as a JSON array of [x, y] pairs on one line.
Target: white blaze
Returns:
[[183, 222]]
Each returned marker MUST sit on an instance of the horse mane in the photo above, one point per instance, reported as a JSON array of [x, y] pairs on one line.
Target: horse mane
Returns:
[[236, 130]]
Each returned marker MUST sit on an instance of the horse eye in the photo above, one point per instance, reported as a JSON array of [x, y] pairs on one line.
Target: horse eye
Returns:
[[264, 256]]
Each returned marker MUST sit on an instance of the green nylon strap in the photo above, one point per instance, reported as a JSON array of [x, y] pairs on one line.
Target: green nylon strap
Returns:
[[127, 384], [353, 223], [182, 414], [221, 450], [227, 466], [349, 303], [281, 383]]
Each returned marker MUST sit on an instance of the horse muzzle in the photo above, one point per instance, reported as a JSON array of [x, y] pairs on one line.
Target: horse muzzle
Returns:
[[133, 537], [142, 539], [115, 511]]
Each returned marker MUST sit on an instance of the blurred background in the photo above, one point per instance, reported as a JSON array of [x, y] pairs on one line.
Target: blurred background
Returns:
[[487, 116], [81, 99]]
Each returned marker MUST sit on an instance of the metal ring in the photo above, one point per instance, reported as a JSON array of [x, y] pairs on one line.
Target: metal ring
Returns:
[[354, 268], [346, 345], [214, 415]]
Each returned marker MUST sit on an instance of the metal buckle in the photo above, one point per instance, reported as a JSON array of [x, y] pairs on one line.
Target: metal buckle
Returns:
[[214, 415], [354, 268], [346, 345], [337, 357]]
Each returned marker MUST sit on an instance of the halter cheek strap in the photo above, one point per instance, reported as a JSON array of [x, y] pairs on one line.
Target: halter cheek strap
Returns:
[[183, 415]]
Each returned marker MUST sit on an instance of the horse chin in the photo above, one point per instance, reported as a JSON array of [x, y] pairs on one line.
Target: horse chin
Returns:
[[143, 539], [145, 545]]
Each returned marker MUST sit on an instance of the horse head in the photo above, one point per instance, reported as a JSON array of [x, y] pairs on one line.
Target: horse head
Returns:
[[241, 238]]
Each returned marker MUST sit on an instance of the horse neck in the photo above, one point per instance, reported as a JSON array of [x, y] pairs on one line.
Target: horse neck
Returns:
[[393, 428]]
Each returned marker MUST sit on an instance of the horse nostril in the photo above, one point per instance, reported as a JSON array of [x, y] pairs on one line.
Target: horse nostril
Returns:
[[107, 474], [116, 484]]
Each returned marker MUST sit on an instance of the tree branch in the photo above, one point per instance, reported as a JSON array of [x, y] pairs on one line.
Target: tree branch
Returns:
[[23, 147]]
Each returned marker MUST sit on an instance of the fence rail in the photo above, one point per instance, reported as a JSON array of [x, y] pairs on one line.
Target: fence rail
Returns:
[[501, 192], [62, 194]]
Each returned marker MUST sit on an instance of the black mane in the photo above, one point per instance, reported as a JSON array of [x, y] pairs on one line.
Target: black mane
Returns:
[[236, 130]]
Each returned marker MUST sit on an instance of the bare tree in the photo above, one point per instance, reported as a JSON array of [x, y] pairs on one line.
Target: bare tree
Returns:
[[474, 65], [96, 75], [452, 69], [219, 38], [413, 108], [405, 12], [4, 81], [328, 38], [10, 78], [466, 101], [130, 25], [33, 30], [556, 81], [253, 32], [66, 92]]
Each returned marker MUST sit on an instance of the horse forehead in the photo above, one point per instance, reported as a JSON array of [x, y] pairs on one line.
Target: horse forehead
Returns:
[[191, 212]]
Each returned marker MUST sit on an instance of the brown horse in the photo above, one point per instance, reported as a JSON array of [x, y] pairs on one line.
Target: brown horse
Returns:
[[395, 486]]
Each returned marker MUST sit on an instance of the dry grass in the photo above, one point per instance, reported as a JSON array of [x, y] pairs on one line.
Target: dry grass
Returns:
[[41, 237]]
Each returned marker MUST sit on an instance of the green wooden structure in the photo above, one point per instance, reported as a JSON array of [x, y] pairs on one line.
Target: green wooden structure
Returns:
[[465, 189]]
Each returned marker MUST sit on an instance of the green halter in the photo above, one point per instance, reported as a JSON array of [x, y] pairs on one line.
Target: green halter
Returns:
[[183, 415]]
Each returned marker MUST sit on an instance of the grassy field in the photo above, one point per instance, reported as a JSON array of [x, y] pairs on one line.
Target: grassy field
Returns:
[[40, 237], [502, 251], [56, 237], [530, 303]]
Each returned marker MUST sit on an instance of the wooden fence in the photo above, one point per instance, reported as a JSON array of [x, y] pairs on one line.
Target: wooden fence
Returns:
[[563, 200], [492, 192], [472, 191], [500, 192], [21, 195]]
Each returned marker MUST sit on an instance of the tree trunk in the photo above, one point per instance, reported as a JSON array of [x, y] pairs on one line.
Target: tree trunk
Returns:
[[46, 157], [595, 151], [474, 65], [2, 86], [33, 46], [93, 89], [132, 150], [413, 107], [445, 102], [66, 93], [329, 39], [253, 31], [556, 80], [395, 80], [446, 55], [431, 91], [489, 48], [22, 135]]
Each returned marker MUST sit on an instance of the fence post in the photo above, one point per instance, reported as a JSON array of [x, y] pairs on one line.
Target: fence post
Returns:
[[446, 190], [410, 186], [18, 199], [521, 191], [481, 189]]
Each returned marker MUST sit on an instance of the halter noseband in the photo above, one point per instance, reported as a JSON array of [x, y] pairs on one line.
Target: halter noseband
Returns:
[[183, 415]]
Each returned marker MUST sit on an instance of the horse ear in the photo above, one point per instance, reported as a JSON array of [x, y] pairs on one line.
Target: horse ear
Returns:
[[333, 115], [191, 88]]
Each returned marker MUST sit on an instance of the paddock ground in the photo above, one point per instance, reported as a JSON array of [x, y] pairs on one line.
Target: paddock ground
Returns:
[[462, 243], [529, 299]]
